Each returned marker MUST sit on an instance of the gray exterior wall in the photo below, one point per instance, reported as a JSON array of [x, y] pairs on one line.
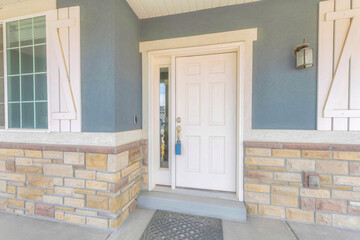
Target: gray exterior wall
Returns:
[[110, 65], [128, 82], [283, 98]]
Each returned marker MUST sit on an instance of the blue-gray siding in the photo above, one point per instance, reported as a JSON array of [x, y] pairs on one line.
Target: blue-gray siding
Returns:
[[128, 87], [283, 98], [111, 65]]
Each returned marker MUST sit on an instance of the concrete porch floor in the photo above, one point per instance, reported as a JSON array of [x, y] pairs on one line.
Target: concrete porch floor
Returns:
[[14, 227]]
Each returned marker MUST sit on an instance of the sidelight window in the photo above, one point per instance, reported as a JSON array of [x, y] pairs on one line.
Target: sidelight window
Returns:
[[164, 118]]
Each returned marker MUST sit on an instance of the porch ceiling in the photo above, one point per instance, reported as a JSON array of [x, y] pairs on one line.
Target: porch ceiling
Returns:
[[157, 8], [4, 3]]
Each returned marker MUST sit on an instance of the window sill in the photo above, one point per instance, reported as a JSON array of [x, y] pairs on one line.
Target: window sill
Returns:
[[18, 130]]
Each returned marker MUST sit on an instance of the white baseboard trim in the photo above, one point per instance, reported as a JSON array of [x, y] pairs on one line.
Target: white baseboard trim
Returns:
[[303, 136], [83, 139]]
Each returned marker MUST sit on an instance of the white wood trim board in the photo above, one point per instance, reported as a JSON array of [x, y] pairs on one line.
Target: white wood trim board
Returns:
[[26, 8], [339, 57]]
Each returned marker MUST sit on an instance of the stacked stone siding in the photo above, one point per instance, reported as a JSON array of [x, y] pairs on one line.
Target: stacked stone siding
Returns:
[[274, 176], [145, 169], [96, 186]]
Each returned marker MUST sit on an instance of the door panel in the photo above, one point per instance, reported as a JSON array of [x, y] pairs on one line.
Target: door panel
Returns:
[[217, 104], [206, 104], [192, 100], [217, 155], [193, 154]]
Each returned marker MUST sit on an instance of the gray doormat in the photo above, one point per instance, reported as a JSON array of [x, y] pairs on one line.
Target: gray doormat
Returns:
[[176, 226]]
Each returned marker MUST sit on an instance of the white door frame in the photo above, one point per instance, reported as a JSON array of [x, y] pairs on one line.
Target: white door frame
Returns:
[[235, 41]]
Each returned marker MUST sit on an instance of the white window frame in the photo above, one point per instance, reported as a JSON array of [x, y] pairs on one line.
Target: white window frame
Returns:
[[3, 22]]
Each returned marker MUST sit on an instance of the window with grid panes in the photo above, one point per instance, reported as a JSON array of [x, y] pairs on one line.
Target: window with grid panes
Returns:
[[26, 73]]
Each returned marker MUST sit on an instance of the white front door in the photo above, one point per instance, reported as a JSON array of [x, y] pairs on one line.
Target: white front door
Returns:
[[206, 105]]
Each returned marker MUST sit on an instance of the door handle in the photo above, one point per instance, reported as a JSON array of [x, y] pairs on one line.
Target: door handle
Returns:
[[178, 142], [178, 131]]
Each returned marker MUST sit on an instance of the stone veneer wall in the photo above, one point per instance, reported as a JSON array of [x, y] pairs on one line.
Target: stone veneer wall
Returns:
[[273, 184], [96, 186]]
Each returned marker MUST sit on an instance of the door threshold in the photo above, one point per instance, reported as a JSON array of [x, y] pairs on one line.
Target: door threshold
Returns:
[[198, 193], [207, 206]]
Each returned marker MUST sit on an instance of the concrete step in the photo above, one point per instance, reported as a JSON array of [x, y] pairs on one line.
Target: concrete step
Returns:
[[230, 210]]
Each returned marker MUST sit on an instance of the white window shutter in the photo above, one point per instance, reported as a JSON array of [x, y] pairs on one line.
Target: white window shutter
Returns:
[[64, 69], [339, 58]]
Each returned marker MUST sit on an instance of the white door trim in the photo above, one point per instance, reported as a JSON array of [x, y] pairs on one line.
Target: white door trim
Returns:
[[236, 41]]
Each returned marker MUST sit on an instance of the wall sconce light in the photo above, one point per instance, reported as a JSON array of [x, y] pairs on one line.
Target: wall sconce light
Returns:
[[304, 56]]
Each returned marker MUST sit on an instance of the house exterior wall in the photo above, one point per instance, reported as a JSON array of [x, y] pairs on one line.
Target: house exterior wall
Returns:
[[111, 65], [128, 89], [62, 180], [283, 98], [96, 186], [274, 182], [97, 80]]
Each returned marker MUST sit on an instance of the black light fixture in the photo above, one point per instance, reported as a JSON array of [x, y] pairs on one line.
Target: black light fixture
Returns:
[[304, 56]]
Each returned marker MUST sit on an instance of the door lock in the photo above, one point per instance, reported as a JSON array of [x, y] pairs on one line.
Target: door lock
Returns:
[[178, 119]]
